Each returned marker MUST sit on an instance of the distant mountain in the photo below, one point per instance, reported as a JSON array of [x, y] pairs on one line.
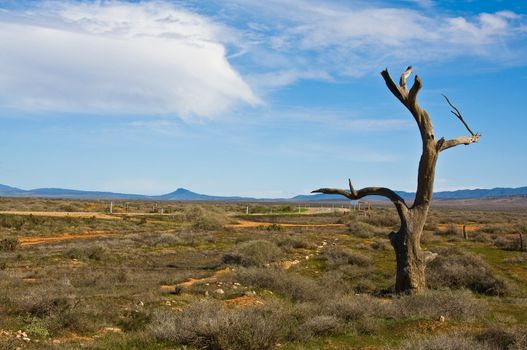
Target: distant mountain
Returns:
[[10, 191], [66, 193], [182, 194], [459, 194]]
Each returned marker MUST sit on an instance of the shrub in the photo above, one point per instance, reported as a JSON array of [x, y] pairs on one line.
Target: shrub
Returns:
[[382, 219], [135, 320], [289, 243], [204, 220], [336, 256], [94, 252], [380, 245], [445, 342], [460, 305], [297, 287], [257, 328], [205, 325], [361, 229], [8, 244], [319, 325], [499, 337], [12, 221], [272, 227], [254, 253], [455, 269], [353, 308], [198, 325]]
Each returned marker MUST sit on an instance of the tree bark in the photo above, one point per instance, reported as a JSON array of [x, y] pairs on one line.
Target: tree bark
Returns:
[[411, 258]]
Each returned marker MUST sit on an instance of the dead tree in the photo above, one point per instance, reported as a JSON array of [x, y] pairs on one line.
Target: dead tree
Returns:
[[411, 258]]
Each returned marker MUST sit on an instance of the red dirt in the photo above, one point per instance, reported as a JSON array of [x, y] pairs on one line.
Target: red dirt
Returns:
[[469, 227], [242, 301], [76, 214], [27, 241], [192, 281]]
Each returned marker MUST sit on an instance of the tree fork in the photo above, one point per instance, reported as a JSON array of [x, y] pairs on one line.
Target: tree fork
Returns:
[[411, 258]]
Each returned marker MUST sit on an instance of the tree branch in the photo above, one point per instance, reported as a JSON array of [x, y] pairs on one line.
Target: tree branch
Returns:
[[409, 98], [404, 76], [457, 113], [367, 191], [463, 140]]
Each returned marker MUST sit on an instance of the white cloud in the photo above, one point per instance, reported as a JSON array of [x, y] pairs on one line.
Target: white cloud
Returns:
[[115, 57], [355, 38]]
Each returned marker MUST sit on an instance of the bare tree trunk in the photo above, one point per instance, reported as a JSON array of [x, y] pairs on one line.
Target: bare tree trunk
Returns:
[[411, 258]]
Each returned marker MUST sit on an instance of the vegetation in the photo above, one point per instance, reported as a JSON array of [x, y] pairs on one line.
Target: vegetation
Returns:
[[191, 278]]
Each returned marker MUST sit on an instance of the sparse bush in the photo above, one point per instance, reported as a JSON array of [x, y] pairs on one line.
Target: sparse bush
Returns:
[[382, 219], [204, 220], [354, 308], [361, 229], [94, 252], [256, 328], [12, 221], [8, 244], [297, 287], [445, 342], [460, 305], [336, 256], [289, 243], [272, 227], [205, 325], [319, 325], [455, 269], [254, 253], [380, 245], [135, 320]]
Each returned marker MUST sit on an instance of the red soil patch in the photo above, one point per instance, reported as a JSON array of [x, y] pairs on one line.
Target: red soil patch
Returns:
[[242, 301], [77, 214], [192, 281], [27, 241], [469, 227]]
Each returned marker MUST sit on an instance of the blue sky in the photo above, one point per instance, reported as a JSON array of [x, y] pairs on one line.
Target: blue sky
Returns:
[[256, 98]]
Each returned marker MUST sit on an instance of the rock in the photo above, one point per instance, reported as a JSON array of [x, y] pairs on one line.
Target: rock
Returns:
[[219, 291]]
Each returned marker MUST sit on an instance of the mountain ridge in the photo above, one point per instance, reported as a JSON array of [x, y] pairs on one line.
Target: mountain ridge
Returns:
[[182, 194]]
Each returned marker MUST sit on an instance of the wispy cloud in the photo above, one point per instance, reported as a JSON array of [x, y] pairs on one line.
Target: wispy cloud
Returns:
[[117, 57], [185, 59], [352, 39]]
